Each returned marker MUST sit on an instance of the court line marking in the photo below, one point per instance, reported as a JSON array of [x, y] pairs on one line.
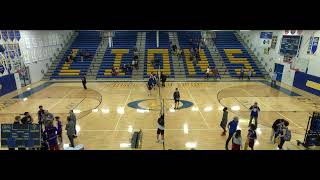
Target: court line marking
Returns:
[[275, 111], [124, 107], [209, 129], [51, 107], [197, 106]]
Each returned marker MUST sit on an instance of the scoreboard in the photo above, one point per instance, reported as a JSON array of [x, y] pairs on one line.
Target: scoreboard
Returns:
[[20, 135], [290, 45]]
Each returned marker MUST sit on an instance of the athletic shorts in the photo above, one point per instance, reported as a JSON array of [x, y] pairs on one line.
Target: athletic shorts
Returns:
[[159, 131], [176, 100], [149, 87], [251, 143]]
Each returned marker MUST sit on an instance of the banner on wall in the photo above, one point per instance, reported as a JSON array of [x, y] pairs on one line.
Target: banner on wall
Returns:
[[310, 44], [314, 45], [266, 51], [265, 39], [274, 42]]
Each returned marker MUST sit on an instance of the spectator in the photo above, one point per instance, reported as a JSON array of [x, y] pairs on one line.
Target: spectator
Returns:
[[232, 126], [174, 48], [224, 121], [208, 72], [27, 119], [51, 134], [74, 119], [123, 67], [70, 128], [237, 141], [59, 129], [113, 70], [81, 55]]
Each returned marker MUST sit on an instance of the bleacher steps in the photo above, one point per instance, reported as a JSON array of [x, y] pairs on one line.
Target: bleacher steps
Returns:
[[253, 56], [97, 60], [140, 44], [178, 67], [57, 59], [224, 73]]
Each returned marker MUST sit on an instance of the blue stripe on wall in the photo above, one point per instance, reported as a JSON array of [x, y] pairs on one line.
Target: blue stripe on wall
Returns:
[[33, 90], [301, 79], [281, 89], [7, 84]]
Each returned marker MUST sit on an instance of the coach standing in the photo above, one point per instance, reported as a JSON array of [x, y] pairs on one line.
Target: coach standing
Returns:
[[84, 82]]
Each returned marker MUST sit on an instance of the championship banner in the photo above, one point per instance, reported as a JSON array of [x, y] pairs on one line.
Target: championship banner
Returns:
[[274, 42], [265, 39], [310, 44], [314, 45]]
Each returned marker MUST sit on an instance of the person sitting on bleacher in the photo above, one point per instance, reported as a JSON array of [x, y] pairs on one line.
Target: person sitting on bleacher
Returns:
[[124, 68], [81, 55], [87, 54], [114, 71]]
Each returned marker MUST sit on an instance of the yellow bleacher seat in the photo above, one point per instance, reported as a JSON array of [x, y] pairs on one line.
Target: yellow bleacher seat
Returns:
[[246, 73], [70, 71], [69, 74]]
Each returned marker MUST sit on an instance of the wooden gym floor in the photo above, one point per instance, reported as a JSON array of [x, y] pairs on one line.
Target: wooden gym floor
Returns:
[[106, 121]]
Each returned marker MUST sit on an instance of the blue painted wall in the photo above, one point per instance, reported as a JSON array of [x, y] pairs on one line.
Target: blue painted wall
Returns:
[[300, 81], [7, 84]]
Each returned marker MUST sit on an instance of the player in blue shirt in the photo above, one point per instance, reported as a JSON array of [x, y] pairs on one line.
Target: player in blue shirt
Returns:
[[254, 114], [232, 126]]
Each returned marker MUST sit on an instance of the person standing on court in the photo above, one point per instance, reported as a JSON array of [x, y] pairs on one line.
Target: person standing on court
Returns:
[[84, 82], [274, 78], [74, 119], [224, 121], [163, 78], [249, 74], [241, 73], [274, 128], [160, 129], [254, 114], [70, 128], [208, 72], [176, 97], [232, 126], [27, 119], [40, 117], [237, 141], [283, 134], [59, 129], [51, 134], [251, 137]]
